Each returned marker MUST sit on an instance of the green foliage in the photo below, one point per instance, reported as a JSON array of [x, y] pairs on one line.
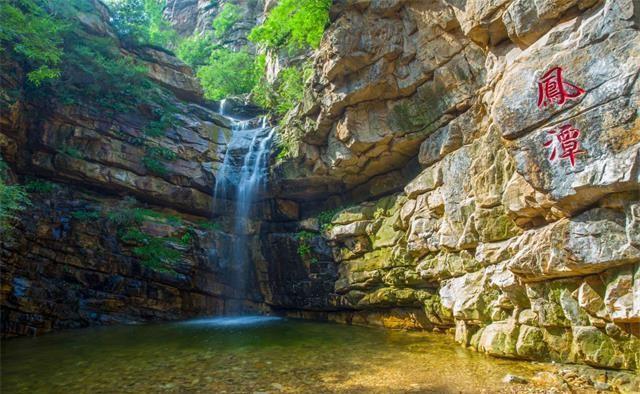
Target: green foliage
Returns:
[[293, 24], [291, 88], [155, 166], [379, 213], [13, 199], [126, 215], [305, 250], [325, 218], [284, 150], [132, 216], [186, 239], [86, 215], [285, 92], [228, 73], [157, 128], [155, 252], [155, 157], [225, 20], [33, 36], [96, 70], [160, 31], [130, 20], [39, 186], [196, 50], [70, 151], [209, 225]]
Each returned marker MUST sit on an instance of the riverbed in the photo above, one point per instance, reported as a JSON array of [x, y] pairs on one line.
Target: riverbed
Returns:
[[251, 354]]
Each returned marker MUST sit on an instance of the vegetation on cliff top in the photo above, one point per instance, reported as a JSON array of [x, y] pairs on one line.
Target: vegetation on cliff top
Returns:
[[293, 24], [141, 22]]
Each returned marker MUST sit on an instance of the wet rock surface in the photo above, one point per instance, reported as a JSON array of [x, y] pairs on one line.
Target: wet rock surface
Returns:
[[68, 264]]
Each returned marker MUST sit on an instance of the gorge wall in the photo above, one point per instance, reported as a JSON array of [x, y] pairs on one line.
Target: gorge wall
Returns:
[[99, 194], [423, 121], [419, 192]]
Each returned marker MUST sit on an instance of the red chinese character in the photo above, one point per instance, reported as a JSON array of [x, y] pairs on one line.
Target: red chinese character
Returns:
[[567, 138], [551, 88]]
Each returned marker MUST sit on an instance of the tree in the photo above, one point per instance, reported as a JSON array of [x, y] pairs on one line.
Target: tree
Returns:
[[33, 37], [196, 50], [131, 20], [160, 31], [225, 20], [227, 73], [293, 24], [141, 22]]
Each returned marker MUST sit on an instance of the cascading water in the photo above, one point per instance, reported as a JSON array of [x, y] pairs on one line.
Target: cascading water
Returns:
[[242, 176]]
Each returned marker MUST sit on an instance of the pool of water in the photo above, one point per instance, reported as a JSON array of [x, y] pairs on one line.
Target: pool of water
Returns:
[[247, 355]]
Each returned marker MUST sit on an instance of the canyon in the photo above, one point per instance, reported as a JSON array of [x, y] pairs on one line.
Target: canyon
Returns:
[[420, 192]]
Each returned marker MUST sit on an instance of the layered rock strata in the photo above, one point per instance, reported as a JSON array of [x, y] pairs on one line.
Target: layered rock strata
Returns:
[[519, 251]]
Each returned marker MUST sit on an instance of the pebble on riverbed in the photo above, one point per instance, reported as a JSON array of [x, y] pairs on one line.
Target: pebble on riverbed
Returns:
[[509, 378]]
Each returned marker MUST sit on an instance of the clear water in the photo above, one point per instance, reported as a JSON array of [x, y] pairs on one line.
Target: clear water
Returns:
[[248, 355]]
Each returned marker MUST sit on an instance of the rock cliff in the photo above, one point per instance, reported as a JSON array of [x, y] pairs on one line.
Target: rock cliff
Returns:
[[95, 183], [436, 124], [195, 18]]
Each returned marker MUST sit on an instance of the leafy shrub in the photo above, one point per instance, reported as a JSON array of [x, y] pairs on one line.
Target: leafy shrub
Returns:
[[228, 73], [325, 218], [304, 247], [291, 88], [154, 159], [39, 186], [209, 225], [86, 216], [293, 24], [95, 69], [286, 92], [128, 216], [13, 199], [225, 20], [155, 252], [284, 150], [157, 128], [130, 20]]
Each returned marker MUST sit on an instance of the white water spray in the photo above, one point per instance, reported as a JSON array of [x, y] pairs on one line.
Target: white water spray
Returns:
[[243, 176]]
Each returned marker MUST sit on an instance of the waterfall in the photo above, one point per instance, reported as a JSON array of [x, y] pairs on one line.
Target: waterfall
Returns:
[[242, 176]]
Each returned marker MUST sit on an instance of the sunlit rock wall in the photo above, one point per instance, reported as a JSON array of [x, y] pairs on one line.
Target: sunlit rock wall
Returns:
[[519, 254]]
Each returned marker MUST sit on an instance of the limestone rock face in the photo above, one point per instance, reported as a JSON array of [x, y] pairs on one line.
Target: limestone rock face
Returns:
[[528, 252], [195, 17], [90, 145]]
